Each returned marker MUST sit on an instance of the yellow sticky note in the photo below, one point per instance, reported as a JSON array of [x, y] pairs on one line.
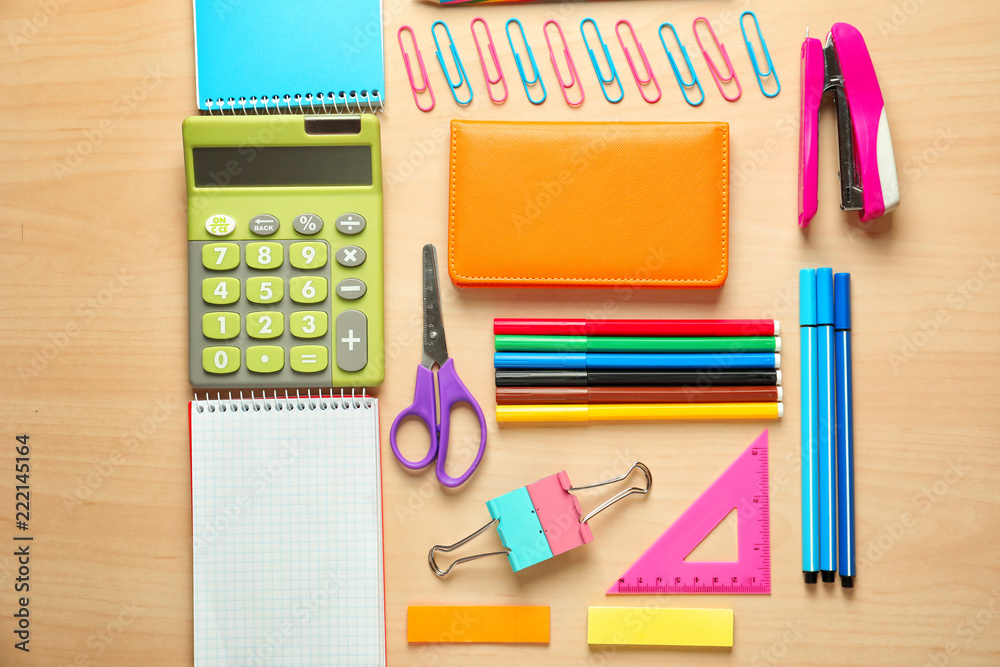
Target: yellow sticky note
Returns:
[[477, 624], [641, 626]]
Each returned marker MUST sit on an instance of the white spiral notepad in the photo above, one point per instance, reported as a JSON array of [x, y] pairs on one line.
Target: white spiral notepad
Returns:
[[287, 516]]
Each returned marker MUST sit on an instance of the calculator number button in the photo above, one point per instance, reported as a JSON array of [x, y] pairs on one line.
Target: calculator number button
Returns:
[[265, 358], [351, 255], [308, 255], [308, 290], [351, 288], [220, 290], [308, 224], [308, 324], [352, 340], [309, 358], [350, 223], [264, 225], [270, 324], [220, 225], [265, 289], [220, 256], [220, 360], [265, 255], [220, 326]]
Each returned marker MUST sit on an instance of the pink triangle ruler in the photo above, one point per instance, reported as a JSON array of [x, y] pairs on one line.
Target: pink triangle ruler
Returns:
[[743, 487]]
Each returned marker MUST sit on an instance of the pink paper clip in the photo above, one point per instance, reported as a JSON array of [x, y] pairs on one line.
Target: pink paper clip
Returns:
[[719, 79], [639, 81], [414, 88], [575, 78], [490, 82]]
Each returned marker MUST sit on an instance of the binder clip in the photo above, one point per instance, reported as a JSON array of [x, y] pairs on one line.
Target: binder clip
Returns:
[[843, 67], [540, 520]]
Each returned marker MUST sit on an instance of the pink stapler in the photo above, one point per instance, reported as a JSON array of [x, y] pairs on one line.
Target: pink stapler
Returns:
[[867, 165]]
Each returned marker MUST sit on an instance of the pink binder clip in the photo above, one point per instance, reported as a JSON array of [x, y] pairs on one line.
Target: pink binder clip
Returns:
[[719, 79], [414, 88], [650, 78], [490, 81], [574, 77]]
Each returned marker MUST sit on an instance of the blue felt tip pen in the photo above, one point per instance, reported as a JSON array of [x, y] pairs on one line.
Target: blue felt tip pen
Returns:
[[810, 426], [845, 427], [827, 423], [645, 361]]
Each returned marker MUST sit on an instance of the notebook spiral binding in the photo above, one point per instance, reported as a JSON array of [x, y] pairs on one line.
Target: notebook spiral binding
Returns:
[[331, 103], [275, 401]]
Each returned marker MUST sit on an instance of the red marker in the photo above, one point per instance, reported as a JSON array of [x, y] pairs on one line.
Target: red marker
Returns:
[[576, 327]]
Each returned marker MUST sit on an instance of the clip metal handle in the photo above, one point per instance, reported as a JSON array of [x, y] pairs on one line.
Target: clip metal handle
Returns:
[[716, 74], [465, 559], [753, 58], [414, 88], [490, 81], [681, 83], [638, 465], [641, 82], [574, 77]]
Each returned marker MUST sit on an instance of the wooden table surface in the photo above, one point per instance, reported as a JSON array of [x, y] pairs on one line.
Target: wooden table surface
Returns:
[[94, 322]]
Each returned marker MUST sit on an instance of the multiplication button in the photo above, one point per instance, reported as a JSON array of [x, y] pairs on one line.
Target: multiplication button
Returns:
[[351, 288], [351, 255], [352, 340]]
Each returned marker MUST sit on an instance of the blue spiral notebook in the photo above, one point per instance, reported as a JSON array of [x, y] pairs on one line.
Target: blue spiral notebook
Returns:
[[306, 56]]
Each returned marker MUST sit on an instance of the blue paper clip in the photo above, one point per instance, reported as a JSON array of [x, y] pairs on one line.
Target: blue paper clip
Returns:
[[520, 68], [462, 77], [753, 59], [597, 68], [681, 83]]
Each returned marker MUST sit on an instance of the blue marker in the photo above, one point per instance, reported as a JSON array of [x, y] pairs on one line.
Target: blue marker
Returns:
[[845, 427], [827, 423], [810, 427], [638, 360]]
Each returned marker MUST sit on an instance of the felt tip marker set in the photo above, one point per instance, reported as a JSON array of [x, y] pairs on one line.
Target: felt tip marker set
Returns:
[[621, 370]]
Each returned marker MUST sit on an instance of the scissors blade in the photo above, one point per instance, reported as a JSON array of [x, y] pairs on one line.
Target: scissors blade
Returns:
[[435, 346]]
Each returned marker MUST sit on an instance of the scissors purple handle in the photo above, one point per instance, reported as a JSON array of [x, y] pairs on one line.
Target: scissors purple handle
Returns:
[[424, 407]]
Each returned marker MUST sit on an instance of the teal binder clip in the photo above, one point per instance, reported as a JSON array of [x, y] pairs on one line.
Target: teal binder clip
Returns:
[[681, 83], [753, 58], [520, 67], [613, 77], [462, 77]]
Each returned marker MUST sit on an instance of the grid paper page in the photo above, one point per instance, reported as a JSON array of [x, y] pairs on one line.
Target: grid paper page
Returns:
[[287, 533]]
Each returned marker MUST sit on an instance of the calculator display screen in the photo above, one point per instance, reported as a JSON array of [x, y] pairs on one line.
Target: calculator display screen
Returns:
[[282, 166]]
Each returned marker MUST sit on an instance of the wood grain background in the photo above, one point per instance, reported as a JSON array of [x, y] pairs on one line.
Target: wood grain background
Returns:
[[93, 322]]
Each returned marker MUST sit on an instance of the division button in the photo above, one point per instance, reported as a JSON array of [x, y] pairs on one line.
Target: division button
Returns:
[[351, 255], [264, 224], [351, 338], [351, 288], [350, 223]]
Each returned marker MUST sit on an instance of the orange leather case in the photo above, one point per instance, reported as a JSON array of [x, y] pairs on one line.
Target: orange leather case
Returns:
[[589, 204]]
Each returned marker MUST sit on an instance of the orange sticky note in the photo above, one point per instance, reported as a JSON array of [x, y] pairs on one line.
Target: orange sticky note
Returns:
[[448, 624]]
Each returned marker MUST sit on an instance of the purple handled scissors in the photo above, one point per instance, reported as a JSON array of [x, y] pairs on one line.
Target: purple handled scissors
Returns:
[[450, 387]]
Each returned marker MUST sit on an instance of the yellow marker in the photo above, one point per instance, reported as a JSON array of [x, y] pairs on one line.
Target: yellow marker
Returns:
[[637, 411], [641, 626], [472, 624]]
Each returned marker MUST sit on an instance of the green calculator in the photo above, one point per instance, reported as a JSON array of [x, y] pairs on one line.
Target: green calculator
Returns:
[[285, 278]]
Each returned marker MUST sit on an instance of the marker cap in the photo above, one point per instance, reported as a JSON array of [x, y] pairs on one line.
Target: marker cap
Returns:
[[842, 301], [807, 297], [824, 296]]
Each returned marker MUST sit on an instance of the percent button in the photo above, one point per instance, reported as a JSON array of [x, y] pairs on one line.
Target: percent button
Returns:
[[307, 223]]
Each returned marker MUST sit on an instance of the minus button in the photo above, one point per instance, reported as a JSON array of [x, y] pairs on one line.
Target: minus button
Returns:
[[351, 288]]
